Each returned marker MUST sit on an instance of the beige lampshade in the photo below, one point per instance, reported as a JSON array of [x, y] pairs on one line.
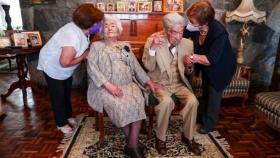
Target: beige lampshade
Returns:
[[245, 12]]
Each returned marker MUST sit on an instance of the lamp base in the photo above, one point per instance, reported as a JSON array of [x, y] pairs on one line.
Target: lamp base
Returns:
[[240, 53], [244, 31], [240, 60]]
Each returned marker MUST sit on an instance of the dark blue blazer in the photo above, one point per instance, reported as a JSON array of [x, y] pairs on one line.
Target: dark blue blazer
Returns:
[[218, 51]]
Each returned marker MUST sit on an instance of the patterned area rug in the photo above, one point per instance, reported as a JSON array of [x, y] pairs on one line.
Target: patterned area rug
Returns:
[[84, 142]]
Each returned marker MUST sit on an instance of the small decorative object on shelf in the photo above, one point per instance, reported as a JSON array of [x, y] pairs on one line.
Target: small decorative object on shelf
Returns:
[[100, 6], [110, 7], [145, 6], [157, 6], [121, 7], [132, 6], [173, 6]]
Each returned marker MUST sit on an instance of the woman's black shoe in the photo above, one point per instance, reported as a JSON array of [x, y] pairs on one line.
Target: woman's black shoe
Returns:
[[142, 147], [133, 153]]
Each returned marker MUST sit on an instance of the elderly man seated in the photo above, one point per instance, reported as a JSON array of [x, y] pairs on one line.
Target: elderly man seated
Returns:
[[163, 57]]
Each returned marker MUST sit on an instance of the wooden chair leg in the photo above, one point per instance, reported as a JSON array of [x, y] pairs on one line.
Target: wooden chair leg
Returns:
[[101, 129], [151, 119], [257, 120], [244, 101], [10, 64], [143, 127], [96, 121]]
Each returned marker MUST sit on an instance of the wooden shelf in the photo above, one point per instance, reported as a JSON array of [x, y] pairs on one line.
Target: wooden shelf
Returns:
[[159, 13]]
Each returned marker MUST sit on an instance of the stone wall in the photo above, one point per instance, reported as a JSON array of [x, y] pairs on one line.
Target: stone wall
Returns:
[[260, 50]]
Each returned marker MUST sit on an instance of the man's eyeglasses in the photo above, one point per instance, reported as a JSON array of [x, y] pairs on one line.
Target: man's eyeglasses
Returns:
[[173, 32]]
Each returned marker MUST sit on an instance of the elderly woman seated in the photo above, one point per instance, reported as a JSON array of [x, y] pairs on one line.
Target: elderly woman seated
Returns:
[[113, 70]]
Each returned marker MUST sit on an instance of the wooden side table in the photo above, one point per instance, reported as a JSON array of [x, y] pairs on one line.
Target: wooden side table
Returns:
[[22, 70], [2, 114]]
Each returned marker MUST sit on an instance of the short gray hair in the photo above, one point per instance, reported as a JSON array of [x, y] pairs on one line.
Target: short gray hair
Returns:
[[115, 20], [173, 18]]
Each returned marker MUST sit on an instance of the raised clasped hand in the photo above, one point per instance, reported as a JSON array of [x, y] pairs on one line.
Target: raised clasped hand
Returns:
[[157, 40]]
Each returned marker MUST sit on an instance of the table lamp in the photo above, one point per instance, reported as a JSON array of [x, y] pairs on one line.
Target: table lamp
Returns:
[[245, 12]]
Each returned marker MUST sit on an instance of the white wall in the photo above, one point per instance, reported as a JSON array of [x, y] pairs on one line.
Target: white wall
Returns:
[[15, 14]]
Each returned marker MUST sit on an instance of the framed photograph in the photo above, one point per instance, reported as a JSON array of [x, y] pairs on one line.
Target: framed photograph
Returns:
[[132, 6], [121, 6], [157, 7], [35, 39], [173, 6], [19, 39], [5, 42], [101, 6], [110, 7], [145, 7]]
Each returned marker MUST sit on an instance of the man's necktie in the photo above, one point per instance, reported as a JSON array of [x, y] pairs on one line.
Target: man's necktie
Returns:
[[170, 48]]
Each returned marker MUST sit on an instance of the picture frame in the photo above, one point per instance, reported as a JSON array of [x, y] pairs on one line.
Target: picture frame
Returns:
[[100, 6], [173, 6], [110, 7], [121, 7], [132, 6], [19, 40], [34, 38], [5, 42], [145, 6], [157, 6]]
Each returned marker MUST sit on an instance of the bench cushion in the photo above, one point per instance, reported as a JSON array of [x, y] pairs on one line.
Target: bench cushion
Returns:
[[268, 103], [238, 85]]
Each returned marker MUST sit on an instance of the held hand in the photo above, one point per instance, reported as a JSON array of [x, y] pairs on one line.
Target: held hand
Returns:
[[201, 59], [154, 86], [189, 60], [113, 89]]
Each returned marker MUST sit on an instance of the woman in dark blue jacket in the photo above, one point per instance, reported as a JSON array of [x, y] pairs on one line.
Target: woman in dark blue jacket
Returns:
[[213, 57]]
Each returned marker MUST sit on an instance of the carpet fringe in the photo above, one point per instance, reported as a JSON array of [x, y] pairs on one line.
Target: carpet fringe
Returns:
[[67, 139], [222, 142]]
